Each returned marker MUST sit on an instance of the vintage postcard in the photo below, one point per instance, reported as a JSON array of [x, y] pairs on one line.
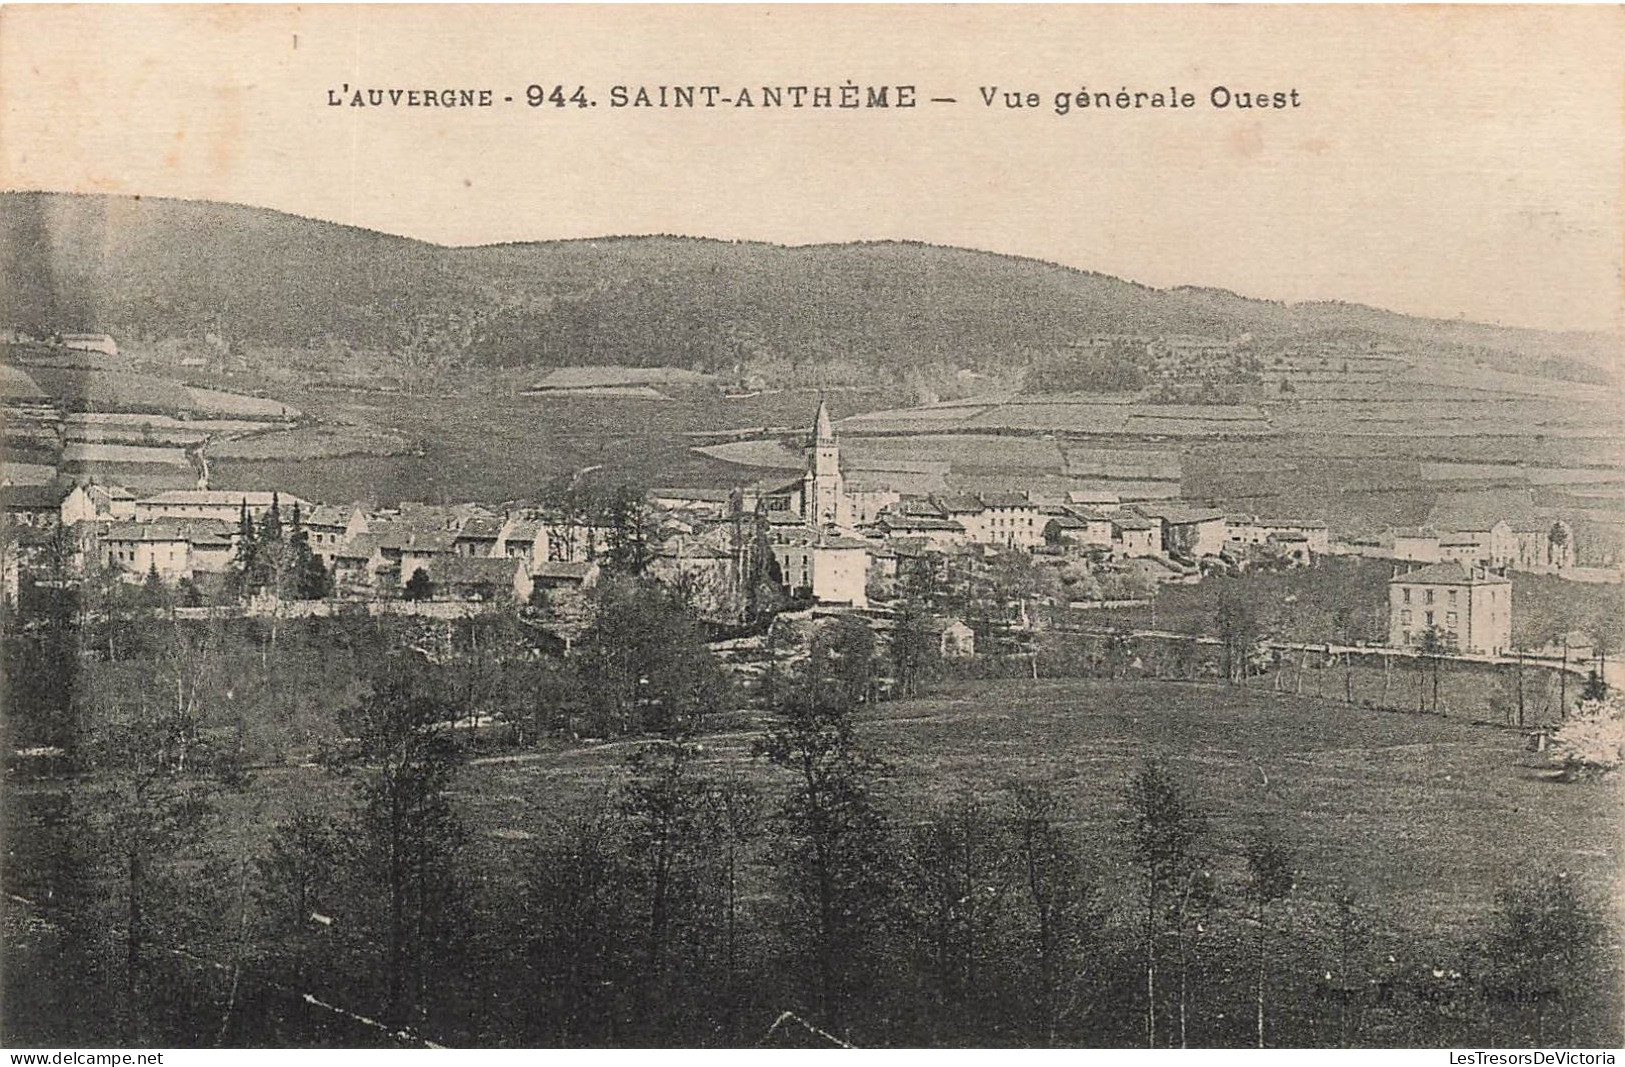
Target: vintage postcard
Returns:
[[773, 526]]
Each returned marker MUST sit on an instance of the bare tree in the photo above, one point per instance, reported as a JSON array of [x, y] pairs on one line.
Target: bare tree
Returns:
[[1164, 827], [1270, 879]]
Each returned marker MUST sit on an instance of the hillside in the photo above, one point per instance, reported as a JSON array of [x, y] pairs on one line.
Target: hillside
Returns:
[[146, 269]]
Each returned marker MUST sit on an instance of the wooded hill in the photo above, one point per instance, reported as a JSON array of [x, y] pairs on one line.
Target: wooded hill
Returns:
[[157, 269]]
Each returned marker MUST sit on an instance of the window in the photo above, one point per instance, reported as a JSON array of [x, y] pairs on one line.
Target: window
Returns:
[[1405, 618], [1452, 598], [1430, 620], [1450, 620], [1405, 594], [1428, 596]]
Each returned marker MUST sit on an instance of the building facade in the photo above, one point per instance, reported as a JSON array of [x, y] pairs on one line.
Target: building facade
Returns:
[[1467, 608]]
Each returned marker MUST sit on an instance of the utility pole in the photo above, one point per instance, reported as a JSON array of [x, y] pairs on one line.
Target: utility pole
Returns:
[[1563, 684], [1520, 688]]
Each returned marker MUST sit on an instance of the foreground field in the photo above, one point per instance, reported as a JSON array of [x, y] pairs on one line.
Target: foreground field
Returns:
[[1414, 821], [1423, 817]]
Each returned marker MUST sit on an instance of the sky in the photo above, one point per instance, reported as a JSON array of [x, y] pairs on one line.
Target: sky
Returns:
[[1454, 161]]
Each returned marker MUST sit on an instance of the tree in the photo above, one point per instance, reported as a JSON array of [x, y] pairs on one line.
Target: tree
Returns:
[[410, 839], [913, 648], [157, 769], [246, 571], [1540, 954], [418, 586], [315, 579], [296, 885], [1270, 878], [958, 881], [1059, 900], [580, 925], [1592, 740], [632, 531], [1595, 688], [664, 805], [834, 854], [1240, 628], [841, 661], [1163, 826], [1433, 644], [735, 817], [644, 662]]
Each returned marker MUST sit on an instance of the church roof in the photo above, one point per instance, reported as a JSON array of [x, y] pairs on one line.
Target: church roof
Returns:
[[822, 431]]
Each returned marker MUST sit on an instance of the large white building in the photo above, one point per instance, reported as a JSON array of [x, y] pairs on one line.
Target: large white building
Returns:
[[1468, 607], [829, 567]]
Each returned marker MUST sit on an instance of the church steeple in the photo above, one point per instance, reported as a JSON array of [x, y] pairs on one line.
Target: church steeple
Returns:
[[823, 489]]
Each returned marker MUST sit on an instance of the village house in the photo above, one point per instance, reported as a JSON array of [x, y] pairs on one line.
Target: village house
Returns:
[[828, 567], [1252, 530], [566, 575], [1187, 531], [484, 579], [91, 502], [1078, 527], [175, 549], [1468, 607], [137, 549], [1290, 546], [704, 570], [1135, 536], [521, 537], [357, 563], [328, 527], [968, 512], [211, 545], [714, 504], [1542, 544], [419, 551], [934, 531], [479, 536], [39, 506], [866, 498], [1486, 544], [1418, 545], [1012, 520], [882, 561]]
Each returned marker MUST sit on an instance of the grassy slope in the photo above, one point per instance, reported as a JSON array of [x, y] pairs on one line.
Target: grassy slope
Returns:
[[1422, 816]]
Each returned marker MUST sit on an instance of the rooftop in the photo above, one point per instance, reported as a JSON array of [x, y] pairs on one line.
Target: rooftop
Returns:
[[467, 570], [34, 497], [1449, 573], [254, 498], [959, 503]]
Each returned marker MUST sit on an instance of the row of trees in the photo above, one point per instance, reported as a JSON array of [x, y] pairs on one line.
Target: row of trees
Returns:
[[275, 556]]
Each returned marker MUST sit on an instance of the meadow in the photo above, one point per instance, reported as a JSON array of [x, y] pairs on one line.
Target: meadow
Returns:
[[1422, 816]]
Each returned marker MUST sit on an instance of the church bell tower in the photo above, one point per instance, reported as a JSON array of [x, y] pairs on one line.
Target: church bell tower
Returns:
[[823, 492]]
